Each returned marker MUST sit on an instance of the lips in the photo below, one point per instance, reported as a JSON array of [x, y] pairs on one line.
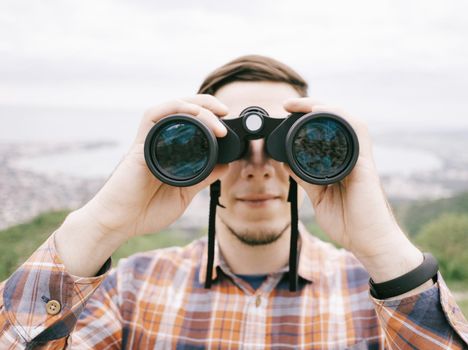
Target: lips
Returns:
[[258, 200], [257, 197]]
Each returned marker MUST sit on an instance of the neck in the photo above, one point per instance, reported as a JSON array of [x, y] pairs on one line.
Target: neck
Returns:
[[248, 259]]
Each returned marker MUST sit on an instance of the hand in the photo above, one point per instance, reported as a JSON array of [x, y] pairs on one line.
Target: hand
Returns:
[[133, 202], [355, 213]]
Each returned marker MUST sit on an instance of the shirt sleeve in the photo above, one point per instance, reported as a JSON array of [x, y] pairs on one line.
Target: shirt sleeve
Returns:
[[41, 302], [429, 320]]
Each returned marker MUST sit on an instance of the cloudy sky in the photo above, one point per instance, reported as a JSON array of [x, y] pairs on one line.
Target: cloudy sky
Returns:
[[388, 61]]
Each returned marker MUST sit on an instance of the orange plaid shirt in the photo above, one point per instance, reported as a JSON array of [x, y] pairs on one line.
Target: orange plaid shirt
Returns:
[[157, 300]]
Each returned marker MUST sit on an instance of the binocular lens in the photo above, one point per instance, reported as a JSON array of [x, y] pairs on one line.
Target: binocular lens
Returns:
[[181, 150], [320, 148]]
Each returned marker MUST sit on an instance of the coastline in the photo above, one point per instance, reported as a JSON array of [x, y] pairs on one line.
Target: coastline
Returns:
[[26, 193]]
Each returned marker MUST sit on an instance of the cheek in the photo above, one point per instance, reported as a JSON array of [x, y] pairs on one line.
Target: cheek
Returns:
[[233, 172], [229, 179], [282, 172]]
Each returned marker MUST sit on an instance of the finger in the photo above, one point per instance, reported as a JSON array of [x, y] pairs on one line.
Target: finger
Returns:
[[212, 121], [156, 113], [153, 114], [182, 106], [307, 105], [300, 104], [209, 102]]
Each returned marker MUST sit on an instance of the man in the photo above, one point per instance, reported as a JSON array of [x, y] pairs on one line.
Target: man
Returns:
[[158, 300]]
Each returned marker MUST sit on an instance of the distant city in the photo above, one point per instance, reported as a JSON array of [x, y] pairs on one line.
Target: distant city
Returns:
[[25, 193], [452, 177]]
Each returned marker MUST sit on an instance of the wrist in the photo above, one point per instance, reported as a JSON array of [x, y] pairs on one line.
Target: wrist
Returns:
[[102, 223], [395, 260], [412, 282], [82, 245]]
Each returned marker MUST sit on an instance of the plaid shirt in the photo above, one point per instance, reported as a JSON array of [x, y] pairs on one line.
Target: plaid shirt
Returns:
[[157, 300]]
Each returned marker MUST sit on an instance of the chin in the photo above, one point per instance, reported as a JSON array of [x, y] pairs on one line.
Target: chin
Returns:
[[259, 233], [257, 224], [260, 217]]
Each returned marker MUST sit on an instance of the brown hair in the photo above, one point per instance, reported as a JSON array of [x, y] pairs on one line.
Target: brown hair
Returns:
[[253, 68]]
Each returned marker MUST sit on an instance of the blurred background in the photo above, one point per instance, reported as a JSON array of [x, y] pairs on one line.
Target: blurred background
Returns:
[[76, 77]]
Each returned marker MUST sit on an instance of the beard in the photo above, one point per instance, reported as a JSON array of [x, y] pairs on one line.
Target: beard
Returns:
[[256, 237]]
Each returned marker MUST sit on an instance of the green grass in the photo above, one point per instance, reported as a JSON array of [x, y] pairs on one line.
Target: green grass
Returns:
[[413, 215], [20, 241], [463, 306], [460, 287], [168, 238]]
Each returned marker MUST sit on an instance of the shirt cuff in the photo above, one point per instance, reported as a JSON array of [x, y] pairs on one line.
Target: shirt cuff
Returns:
[[42, 298], [426, 312]]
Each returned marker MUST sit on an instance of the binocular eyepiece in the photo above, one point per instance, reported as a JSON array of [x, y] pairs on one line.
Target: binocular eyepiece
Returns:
[[321, 148]]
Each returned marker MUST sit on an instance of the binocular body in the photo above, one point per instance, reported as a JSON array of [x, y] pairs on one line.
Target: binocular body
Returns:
[[321, 148]]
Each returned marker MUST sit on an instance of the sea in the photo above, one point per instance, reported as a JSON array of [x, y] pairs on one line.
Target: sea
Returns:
[[109, 134]]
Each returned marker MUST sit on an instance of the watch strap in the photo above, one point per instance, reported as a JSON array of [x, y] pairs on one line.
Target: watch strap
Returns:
[[409, 281]]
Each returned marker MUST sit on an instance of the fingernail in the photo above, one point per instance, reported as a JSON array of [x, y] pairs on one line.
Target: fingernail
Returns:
[[223, 128], [224, 107]]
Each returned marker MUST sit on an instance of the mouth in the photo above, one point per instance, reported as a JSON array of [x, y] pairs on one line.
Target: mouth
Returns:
[[258, 200]]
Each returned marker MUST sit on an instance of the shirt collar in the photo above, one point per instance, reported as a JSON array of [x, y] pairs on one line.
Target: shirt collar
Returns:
[[311, 258]]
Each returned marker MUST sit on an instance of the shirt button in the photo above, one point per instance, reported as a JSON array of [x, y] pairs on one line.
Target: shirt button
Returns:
[[258, 301], [53, 307]]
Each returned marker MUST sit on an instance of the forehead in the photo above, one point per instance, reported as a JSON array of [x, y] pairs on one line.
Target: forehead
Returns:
[[265, 94]]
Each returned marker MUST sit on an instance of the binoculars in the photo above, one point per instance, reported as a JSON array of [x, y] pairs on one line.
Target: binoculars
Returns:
[[320, 148]]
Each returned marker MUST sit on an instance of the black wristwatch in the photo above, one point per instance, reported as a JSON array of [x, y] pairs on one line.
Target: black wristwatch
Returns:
[[409, 281]]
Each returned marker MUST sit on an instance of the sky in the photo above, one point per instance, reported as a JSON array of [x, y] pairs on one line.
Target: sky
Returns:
[[390, 62]]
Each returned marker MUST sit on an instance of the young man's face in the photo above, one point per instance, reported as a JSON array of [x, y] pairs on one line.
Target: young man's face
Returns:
[[255, 189]]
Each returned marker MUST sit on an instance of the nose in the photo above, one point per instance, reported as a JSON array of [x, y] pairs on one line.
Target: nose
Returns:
[[257, 165]]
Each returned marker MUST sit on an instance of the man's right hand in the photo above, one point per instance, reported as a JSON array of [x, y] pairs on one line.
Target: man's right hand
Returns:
[[133, 202]]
